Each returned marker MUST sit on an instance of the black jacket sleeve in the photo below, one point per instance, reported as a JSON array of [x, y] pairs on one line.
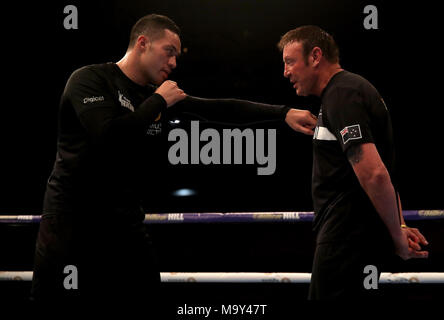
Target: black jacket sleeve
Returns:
[[100, 112], [232, 111]]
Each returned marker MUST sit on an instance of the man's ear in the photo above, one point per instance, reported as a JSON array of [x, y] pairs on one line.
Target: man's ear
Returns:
[[142, 42], [316, 55]]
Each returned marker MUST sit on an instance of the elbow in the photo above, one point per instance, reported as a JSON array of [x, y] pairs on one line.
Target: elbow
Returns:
[[375, 179]]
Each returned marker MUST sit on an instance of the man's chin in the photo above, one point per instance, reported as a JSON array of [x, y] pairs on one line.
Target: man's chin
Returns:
[[158, 82], [301, 93]]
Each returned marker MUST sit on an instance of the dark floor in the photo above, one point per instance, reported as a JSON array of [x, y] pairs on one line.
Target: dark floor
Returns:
[[264, 247]]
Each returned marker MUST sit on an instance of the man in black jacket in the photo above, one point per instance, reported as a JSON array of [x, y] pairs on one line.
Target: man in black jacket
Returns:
[[92, 217]]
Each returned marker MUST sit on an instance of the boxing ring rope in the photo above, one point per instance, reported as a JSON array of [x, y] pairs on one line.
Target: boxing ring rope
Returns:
[[258, 277], [245, 277], [232, 217]]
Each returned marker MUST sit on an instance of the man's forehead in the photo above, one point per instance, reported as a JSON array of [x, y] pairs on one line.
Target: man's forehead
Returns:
[[292, 47]]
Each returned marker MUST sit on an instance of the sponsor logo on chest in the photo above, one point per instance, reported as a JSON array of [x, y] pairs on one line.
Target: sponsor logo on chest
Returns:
[[125, 102]]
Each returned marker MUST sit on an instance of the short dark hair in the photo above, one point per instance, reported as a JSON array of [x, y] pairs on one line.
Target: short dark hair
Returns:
[[153, 26], [312, 36]]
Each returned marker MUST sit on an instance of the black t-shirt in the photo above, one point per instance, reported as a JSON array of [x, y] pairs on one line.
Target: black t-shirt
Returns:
[[352, 112], [111, 133]]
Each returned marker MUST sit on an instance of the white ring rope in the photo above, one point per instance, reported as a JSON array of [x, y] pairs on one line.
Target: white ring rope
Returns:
[[257, 277]]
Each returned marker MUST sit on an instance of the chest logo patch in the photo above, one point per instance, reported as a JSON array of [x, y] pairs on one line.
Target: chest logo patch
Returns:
[[125, 102], [351, 133]]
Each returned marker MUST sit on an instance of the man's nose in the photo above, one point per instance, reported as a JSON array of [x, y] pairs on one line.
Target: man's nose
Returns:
[[286, 72], [172, 63]]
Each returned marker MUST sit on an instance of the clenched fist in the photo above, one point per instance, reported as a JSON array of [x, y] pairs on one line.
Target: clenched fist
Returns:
[[301, 120], [171, 92]]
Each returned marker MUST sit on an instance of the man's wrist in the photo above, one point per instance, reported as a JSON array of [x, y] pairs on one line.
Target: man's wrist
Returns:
[[285, 111], [397, 234]]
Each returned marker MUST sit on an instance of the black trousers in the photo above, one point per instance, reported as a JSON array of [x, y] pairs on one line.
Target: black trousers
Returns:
[[115, 263], [338, 269]]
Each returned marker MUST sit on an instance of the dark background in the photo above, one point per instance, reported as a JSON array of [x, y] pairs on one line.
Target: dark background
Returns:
[[230, 52]]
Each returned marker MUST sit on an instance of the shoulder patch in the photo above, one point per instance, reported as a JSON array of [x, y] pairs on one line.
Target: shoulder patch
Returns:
[[351, 133]]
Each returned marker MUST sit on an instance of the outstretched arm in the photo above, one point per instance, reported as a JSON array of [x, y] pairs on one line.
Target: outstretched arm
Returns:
[[236, 111]]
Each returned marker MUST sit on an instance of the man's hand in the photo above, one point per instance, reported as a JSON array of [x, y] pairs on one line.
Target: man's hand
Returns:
[[406, 248], [170, 92], [415, 238], [301, 120]]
